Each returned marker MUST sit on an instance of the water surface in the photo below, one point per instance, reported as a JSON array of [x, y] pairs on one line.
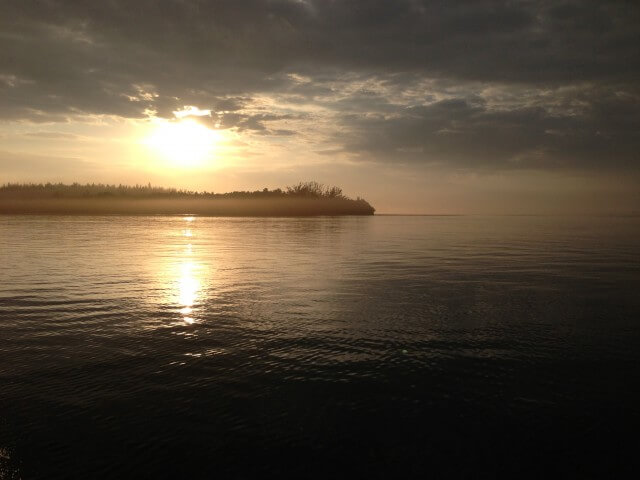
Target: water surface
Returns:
[[370, 347]]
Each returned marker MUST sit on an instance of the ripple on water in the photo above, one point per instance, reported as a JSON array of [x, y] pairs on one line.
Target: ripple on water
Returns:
[[165, 346]]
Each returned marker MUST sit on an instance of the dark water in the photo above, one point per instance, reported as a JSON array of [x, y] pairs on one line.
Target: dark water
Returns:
[[366, 347]]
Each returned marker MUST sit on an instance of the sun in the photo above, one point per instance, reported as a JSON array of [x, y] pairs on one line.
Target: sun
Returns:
[[183, 143]]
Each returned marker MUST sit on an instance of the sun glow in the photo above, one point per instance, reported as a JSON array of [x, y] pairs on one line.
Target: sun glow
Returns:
[[184, 143]]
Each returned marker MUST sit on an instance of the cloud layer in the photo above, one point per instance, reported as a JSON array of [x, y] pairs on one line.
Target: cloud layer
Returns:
[[471, 84]]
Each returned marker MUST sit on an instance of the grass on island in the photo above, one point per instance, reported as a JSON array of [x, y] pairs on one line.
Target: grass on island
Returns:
[[305, 198]]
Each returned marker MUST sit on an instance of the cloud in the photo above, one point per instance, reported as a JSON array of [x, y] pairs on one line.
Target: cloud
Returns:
[[52, 135], [474, 134], [482, 83]]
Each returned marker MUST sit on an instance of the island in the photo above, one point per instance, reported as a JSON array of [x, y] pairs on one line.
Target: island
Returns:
[[302, 199]]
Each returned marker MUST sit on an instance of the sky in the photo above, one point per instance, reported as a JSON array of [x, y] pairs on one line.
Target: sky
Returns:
[[422, 107]]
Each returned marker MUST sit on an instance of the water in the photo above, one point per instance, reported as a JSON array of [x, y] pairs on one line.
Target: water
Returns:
[[368, 347]]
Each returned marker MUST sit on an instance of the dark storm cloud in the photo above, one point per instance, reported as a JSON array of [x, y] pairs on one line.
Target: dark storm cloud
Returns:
[[255, 123], [473, 135], [574, 68]]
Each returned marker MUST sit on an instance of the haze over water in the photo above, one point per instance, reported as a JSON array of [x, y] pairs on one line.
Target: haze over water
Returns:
[[192, 347]]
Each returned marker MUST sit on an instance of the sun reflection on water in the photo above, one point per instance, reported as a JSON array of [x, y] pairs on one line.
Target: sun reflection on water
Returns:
[[189, 286], [189, 283]]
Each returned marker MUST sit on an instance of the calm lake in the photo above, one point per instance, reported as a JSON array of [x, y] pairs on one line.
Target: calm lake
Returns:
[[367, 347]]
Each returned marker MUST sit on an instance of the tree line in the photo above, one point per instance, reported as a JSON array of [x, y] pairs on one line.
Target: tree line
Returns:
[[310, 189]]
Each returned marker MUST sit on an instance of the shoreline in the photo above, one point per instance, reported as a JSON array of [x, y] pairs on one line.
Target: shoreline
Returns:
[[264, 207]]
